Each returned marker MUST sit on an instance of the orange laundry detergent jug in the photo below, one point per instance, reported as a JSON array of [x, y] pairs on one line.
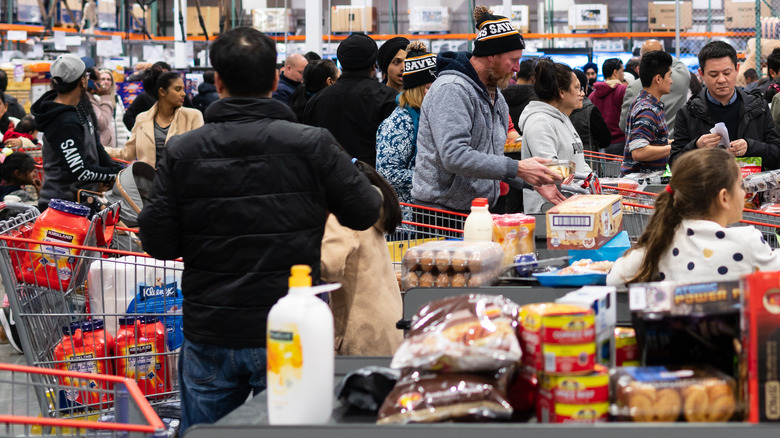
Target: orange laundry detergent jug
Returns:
[[24, 231], [140, 344], [53, 266], [81, 349]]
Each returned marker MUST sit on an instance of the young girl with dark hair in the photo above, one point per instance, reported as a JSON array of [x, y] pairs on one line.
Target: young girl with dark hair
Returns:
[[547, 129], [17, 169], [686, 238], [316, 76], [368, 304], [155, 127]]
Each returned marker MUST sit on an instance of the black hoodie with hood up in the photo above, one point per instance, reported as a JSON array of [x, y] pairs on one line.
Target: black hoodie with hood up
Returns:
[[71, 150]]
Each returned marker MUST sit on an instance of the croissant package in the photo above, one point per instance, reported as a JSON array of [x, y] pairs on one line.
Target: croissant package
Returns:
[[661, 394], [466, 333]]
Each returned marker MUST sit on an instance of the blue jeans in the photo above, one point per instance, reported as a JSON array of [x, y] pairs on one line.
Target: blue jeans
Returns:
[[216, 380]]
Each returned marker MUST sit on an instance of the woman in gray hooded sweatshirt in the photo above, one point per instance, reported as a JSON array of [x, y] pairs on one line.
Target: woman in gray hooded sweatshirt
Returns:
[[547, 130]]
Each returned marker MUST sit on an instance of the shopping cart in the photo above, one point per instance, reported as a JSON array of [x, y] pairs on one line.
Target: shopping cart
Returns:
[[426, 224], [605, 165], [131, 416], [55, 319], [767, 223], [637, 209]]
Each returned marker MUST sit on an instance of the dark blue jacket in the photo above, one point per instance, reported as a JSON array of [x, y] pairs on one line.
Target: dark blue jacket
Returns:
[[207, 94], [285, 89]]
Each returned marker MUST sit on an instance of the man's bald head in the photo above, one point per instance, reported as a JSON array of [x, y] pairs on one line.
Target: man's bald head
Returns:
[[651, 46], [293, 67]]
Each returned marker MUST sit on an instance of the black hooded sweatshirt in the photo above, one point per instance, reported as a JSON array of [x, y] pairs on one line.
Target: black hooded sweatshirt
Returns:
[[71, 150]]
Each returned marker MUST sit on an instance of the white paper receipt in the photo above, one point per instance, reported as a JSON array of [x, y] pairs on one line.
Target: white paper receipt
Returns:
[[720, 128]]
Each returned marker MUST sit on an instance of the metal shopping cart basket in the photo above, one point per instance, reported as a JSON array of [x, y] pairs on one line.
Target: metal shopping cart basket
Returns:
[[637, 209], [56, 320], [605, 165], [767, 223], [132, 416], [423, 224]]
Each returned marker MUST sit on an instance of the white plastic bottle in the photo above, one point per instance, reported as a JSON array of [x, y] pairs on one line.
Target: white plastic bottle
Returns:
[[300, 357], [479, 223]]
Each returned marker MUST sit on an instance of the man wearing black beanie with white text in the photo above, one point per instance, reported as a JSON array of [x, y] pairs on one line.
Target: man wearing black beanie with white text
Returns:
[[353, 107]]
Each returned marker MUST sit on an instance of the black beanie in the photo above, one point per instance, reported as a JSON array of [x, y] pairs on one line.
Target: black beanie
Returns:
[[388, 50], [496, 34], [419, 66], [357, 52]]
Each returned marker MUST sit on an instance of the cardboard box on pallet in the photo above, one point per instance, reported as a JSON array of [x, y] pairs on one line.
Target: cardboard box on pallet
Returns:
[[518, 16], [429, 19], [106, 14], [662, 15], [28, 11], [741, 14], [353, 19], [63, 15], [588, 17], [273, 20], [210, 19], [760, 359], [584, 222], [140, 19]]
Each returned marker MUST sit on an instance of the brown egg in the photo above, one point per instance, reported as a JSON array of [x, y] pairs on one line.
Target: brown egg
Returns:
[[442, 280], [458, 261], [475, 262], [411, 259], [426, 261], [411, 280], [458, 280], [442, 261], [475, 281], [426, 280]]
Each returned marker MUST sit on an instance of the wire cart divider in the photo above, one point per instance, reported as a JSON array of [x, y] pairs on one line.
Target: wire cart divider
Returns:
[[427, 224], [132, 415], [106, 284]]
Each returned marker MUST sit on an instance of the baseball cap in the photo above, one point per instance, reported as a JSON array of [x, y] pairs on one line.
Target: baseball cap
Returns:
[[68, 68]]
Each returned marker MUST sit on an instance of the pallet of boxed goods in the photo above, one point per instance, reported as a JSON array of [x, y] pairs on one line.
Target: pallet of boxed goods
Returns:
[[348, 19], [592, 16], [423, 19], [273, 20], [662, 15]]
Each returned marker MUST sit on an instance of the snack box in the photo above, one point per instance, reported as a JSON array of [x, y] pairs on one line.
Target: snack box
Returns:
[[603, 301], [626, 347], [515, 234], [452, 263], [584, 222], [662, 394], [760, 363], [684, 298]]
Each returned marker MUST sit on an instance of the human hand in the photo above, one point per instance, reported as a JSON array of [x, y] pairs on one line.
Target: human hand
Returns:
[[550, 192], [738, 147], [13, 143], [708, 141], [37, 184], [101, 90], [535, 173]]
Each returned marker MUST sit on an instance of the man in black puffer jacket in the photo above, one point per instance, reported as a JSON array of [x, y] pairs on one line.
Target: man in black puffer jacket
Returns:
[[242, 200], [746, 116]]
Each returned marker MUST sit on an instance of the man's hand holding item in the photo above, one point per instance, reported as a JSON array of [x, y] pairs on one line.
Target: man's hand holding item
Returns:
[[534, 172]]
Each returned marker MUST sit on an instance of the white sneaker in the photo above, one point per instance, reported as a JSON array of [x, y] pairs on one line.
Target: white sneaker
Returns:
[[7, 321]]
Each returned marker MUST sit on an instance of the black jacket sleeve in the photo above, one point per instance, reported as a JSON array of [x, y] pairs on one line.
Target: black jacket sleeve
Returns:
[[684, 139], [69, 144], [139, 105], [349, 194], [769, 148], [599, 131], [16, 110], [159, 222]]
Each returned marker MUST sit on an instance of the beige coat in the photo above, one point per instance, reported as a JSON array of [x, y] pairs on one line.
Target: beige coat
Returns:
[[368, 305], [141, 144]]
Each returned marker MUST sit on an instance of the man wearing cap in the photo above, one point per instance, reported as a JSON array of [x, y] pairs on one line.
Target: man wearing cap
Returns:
[[353, 107], [71, 148], [464, 122], [391, 62]]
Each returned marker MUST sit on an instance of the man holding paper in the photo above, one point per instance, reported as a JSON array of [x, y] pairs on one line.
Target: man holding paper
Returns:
[[747, 119]]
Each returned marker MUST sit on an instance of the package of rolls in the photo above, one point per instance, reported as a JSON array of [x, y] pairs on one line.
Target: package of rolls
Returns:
[[666, 394], [452, 263]]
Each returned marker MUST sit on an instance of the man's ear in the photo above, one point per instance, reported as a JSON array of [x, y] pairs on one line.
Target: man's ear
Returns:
[[276, 82], [219, 85]]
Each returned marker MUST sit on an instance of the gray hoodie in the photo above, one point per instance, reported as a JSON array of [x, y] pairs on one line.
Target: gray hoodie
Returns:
[[549, 134], [460, 144]]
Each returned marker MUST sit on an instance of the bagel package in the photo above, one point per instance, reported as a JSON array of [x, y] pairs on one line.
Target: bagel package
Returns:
[[460, 334], [428, 397], [451, 263], [665, 394]]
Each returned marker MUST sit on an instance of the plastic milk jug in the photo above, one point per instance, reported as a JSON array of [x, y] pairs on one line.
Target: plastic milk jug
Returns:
[[479, 223], [300, 354]]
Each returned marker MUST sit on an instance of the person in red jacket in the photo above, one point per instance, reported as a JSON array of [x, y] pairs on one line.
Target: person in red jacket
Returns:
[[608, 98]]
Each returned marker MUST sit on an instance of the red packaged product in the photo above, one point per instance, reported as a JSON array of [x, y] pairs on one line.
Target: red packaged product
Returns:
[[81, 349]]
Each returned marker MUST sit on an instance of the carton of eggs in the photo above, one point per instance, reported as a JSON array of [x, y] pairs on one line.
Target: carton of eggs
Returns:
[[451, 263]]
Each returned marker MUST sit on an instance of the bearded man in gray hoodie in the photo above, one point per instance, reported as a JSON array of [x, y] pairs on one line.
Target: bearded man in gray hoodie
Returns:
[[464, 122]]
